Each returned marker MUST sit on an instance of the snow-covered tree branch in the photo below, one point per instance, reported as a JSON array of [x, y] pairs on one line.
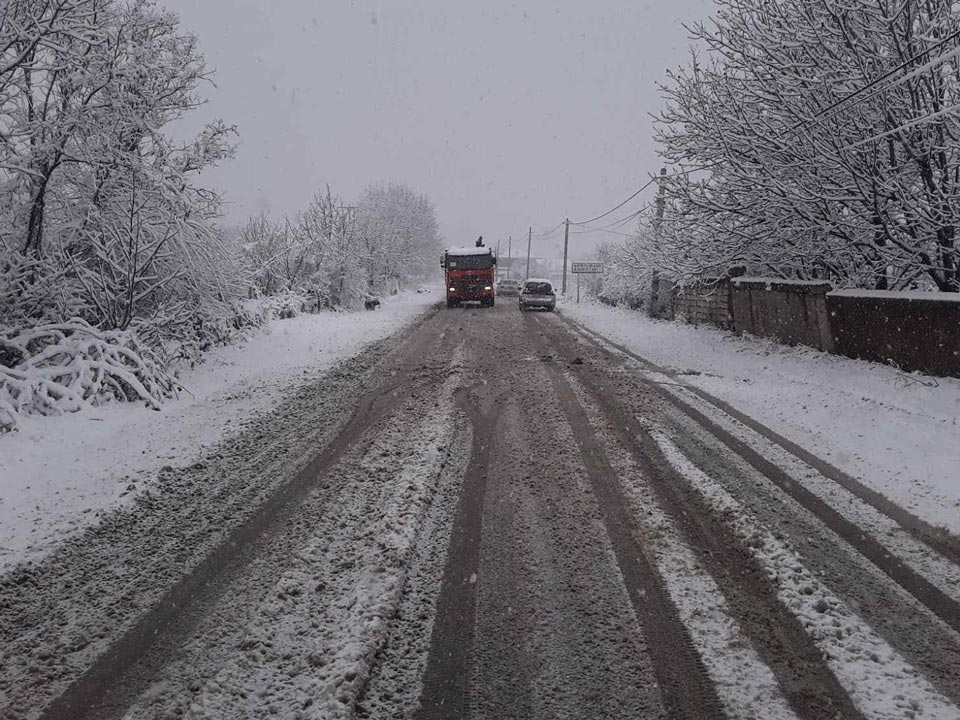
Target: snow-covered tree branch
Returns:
[[816, 139]]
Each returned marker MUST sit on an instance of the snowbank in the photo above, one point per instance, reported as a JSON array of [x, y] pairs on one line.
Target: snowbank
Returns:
[[60, 473], [895, 432]]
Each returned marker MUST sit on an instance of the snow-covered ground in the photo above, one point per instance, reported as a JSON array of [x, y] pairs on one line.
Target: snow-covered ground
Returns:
[[897, 433], [58, 475]]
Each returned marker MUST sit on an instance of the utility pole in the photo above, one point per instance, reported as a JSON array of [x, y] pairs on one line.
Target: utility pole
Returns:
[[529, 241], [654, 275], [509, 256], [566, 241], [660, 201]]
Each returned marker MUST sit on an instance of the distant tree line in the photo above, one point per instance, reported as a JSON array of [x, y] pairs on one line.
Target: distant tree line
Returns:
[[335, 254]]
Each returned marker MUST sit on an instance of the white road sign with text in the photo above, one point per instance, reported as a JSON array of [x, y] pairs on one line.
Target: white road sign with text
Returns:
[[587, 267]]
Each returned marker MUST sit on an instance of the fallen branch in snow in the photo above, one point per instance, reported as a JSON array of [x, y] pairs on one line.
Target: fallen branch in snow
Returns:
[[66, 367], [908, 378]]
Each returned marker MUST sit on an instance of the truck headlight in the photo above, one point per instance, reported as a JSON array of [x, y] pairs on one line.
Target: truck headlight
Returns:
[[487, 287], [453, 289]]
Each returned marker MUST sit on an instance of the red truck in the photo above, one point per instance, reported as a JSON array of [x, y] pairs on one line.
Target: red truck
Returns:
[[469, 275]]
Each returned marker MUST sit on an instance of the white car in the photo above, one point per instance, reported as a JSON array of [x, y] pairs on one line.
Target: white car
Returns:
[[537, 293]]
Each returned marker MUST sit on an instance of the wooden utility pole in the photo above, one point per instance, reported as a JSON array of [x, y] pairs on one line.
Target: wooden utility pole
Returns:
[[509, 256], [566, 241], [661, 201], [529, 241], [654, 309]]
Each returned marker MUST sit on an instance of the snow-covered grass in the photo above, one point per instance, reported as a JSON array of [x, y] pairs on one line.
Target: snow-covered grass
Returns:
[[896, 433], [58, 474]]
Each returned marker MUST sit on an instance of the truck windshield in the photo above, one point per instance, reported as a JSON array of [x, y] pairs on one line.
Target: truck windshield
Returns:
[[469, 262]]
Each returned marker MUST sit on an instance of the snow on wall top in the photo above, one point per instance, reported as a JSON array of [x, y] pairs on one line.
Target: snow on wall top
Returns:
[[469, 251], [779, 281], [898, 295]]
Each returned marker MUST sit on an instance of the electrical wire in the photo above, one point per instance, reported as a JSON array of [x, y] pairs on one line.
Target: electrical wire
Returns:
[[952, 110], [873, 83], [590, 230], [650, 182], [550, 232]]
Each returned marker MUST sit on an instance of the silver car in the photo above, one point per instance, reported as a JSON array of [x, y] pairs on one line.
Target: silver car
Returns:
[[508, 286], [537, 293]]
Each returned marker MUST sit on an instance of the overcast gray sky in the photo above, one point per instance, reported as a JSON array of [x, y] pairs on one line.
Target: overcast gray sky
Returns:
[[505, 114]]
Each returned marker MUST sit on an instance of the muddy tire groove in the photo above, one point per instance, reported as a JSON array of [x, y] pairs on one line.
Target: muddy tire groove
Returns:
[[446, 679], [685, 686], [778, 637]]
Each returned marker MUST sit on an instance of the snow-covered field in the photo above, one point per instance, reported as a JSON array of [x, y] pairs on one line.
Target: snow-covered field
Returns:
[[58, 475], [896, 433]]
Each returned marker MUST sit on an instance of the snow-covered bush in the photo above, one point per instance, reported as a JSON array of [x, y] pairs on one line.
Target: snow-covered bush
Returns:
[[287, 304], [64, 367], [625, 280], [35, 290]]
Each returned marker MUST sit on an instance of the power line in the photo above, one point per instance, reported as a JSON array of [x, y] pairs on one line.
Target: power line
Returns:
[[952, 110], [650, 182], [873, 83], [628, 218], [550, 232], [589, 230]]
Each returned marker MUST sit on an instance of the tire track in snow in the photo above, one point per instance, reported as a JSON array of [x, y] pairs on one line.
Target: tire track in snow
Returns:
[[938, 539], [936, 569], [685, 685], [313, 643], [915, 567], [746, 685], [879, 681], [778, 637]]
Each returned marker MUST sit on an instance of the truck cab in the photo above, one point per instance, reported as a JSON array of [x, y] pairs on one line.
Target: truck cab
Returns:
[[468, 274]]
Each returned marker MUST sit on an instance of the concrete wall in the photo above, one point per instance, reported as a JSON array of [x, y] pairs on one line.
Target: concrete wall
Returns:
[[793, 312], [707, 303], [913, 330]]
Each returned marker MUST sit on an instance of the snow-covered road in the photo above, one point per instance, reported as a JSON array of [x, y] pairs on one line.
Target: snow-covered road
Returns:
[[497, 514]]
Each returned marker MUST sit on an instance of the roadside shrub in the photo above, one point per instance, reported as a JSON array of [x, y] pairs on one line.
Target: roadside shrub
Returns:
[[65, 367]]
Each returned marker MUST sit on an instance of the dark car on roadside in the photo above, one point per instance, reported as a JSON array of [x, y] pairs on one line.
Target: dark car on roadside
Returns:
[[539, 294], [508, 286]]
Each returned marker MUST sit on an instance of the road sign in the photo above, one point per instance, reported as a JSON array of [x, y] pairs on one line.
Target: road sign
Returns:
[[588, 267]]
